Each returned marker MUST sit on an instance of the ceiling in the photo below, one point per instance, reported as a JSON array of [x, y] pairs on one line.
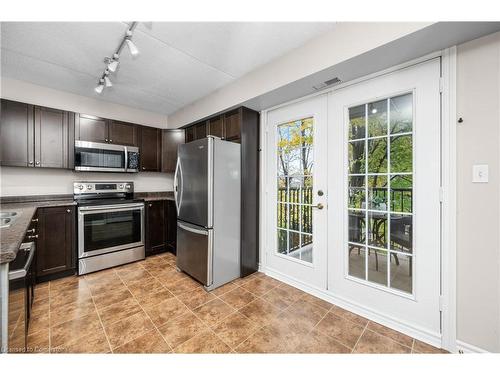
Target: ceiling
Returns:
[[178, 62]]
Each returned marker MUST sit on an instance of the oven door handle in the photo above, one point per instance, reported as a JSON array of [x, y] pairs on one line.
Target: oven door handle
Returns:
[[111, 207], [18, 274]]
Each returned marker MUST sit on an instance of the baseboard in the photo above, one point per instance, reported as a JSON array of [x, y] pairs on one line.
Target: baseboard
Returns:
[[412, 331], [464, 347]]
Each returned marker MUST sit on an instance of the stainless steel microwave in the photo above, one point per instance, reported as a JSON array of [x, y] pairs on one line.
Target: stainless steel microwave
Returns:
[[104, 157]]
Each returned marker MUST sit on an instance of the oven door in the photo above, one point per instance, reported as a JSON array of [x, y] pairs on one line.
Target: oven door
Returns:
[[100, 157], [105, 229]]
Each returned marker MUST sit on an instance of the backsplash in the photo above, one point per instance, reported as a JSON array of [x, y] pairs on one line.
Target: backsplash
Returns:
[[37, 181]]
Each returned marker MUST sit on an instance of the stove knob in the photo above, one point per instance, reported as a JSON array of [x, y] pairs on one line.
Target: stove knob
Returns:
[[89, 187], [121, 186], [127, 186], [80, 187]]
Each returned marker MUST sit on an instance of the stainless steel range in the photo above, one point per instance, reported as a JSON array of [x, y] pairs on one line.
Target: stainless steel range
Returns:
[[110, 225]]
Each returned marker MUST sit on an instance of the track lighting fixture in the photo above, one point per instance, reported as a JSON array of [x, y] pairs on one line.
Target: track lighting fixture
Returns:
[[113, 62], [98, 89]]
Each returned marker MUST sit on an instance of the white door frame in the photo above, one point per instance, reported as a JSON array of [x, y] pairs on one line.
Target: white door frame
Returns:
[[448, 224]]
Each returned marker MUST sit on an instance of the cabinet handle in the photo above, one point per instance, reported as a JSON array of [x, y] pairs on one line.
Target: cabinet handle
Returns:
[[110, 141], [68, 210], [105, 139], [30, 163], [37, 163], [32, 237], [150, 205], [31, 230], [34, 220], [143, 168]]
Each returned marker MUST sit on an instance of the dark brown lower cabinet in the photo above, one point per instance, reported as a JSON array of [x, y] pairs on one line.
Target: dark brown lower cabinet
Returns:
[[171, 218], [55, 253], [155, 227]]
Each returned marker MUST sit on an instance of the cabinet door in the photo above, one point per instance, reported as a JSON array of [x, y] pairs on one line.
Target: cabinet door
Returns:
[[51, 138], [155, 227], [55, 245], [171, 221], [200, 130], [122, 133], [215, 127], [232, 126], [190, 134], [150, 149], [16, 129], [171, 139], [91, 128]]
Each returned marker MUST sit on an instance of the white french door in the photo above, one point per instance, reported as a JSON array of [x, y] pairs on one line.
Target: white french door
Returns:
[[296, 191], [384, 196]]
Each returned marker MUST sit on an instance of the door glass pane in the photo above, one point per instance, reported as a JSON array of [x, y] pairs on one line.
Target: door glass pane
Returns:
[[380, 192], [295, 158]]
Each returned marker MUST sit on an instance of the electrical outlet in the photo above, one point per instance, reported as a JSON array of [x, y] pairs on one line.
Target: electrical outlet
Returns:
[[480, 173]]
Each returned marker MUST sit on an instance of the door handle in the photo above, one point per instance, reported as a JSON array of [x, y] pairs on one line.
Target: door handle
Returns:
[[319, 206]]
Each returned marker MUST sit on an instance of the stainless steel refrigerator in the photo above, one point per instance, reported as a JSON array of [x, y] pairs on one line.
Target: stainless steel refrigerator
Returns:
[[207, 196]]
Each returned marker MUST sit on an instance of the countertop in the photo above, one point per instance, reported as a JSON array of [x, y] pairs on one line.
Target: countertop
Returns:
[[11, 237], [156, 196]]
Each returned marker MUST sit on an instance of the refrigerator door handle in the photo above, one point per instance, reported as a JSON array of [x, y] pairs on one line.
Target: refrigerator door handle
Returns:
[[177, 193], [189, 228]]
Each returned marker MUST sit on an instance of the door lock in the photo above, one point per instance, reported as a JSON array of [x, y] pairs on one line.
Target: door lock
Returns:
[[320, 193], [319, 206]]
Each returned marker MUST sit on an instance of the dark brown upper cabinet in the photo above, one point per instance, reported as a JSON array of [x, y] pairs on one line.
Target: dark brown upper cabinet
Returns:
[[91, 128], [216, 127], [54, 145], [200, 130], [34, 136], [232, 125], [17, 134], [122, 133], [171, 139], [55, 250], [150, 149], [190, 134]]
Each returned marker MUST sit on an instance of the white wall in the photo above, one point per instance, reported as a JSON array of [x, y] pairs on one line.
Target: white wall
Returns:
[[478, 220], [30, 93], [31, 181], [347, 40]]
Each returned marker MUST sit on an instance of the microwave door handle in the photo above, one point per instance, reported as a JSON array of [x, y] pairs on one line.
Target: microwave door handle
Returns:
[[126, 159]]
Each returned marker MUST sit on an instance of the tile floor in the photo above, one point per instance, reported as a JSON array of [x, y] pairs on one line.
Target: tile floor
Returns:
[[149, 307]]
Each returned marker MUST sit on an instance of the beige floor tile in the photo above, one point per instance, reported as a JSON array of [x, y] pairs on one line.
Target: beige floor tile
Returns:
[[371, 342], [258, 286], [155, 297], [133, 275], [73, 329], [142, 288], [224, 289], [182, 328], [264, 340], [260, 311], [342, 330], [349, 315], [317, 342], [195, 298], [39, 322], [119, 310], [70, 296], [166, 310], [150, 342], [204, 342], [278, 298], [106, 299], [307, 312], [128, 329], [392, 334], [71, 311], [317, 301], [235, 329], [106, 286], [93, 342], [238, 297], [185, 285], [38, 342], [213, 312], [422, 347]]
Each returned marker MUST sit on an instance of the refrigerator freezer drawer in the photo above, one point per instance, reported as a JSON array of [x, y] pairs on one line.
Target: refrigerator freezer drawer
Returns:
[[194, 251]]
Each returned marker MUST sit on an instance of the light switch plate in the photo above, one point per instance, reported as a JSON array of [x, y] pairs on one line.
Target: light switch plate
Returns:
[[480, 173]]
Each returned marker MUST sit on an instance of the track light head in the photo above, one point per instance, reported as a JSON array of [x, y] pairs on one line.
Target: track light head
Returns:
[[98, 89], [113, 65], [131, 47], [107, 81]]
